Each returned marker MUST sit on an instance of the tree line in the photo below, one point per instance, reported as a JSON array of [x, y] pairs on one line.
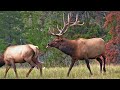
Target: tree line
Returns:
[[23, 27]]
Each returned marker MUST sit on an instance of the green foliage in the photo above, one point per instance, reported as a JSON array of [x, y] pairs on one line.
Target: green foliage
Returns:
[[11, 27], [2, 46], [108, 37]]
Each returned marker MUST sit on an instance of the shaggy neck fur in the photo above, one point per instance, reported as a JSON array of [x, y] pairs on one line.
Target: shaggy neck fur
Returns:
[[67, 47]]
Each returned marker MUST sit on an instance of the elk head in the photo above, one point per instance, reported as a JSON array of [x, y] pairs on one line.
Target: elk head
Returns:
[[59, 40]]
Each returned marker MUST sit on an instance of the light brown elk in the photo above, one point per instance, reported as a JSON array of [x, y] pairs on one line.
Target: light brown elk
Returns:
[[21, 54], [79, 49]]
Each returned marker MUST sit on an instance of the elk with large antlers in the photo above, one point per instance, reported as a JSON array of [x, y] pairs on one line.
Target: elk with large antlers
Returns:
[[79, 49]]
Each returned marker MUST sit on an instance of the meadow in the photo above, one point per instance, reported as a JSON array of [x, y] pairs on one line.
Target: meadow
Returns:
[[78, 72]]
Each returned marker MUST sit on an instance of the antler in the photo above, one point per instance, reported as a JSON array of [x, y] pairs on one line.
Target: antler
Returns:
[[66, 25]]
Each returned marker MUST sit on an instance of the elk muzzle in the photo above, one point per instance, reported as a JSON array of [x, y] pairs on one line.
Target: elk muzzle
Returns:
[[47, 46]]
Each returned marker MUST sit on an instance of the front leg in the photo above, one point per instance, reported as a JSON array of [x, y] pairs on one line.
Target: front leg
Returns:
[[7, 69], [14, 67], [72, 64]]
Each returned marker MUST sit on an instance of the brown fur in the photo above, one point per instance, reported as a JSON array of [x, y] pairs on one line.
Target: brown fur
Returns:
[[21, 54], [81, 49], [90, 48], [1, 60]]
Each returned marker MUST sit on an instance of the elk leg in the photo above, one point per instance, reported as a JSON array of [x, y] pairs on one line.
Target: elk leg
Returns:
[[7, 69], [39, 65], [29, 71], [100, 61], [104, 60], [14, 67], [32, 66], [72, 63], [88, 66]]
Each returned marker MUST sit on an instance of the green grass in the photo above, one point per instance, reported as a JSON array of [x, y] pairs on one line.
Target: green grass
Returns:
[[77, 72]]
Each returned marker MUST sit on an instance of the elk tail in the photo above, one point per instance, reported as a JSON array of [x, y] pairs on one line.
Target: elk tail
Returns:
[[33, 54]]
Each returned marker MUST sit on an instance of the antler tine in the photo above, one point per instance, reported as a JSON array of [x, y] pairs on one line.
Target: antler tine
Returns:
[[69, 17], [64, 19], [81, 24], [58, 27], [60, 30], [64, 29], [51, 32], [76, 21], [66, 25], [77, 18]]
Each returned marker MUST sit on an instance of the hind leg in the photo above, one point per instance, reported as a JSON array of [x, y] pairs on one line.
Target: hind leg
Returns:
[[32, 66], [100, 61], [39, 65], [104, 60]]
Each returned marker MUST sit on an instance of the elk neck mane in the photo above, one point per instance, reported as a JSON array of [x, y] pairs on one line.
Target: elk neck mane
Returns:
[[68, 46]]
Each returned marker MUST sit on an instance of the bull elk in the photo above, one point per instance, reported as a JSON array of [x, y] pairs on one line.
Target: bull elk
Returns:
[[79, 49], [21, 54]]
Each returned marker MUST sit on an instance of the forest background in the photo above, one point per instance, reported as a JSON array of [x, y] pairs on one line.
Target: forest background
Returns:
[[23, 27]]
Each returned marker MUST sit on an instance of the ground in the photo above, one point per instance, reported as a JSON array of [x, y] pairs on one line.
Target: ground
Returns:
[[78, 72]]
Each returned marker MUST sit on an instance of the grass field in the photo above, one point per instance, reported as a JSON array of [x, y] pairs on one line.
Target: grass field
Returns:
[[78, 72]]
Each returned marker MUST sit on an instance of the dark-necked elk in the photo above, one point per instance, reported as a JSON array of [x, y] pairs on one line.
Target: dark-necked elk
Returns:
[[79, 49], [21, 54]]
